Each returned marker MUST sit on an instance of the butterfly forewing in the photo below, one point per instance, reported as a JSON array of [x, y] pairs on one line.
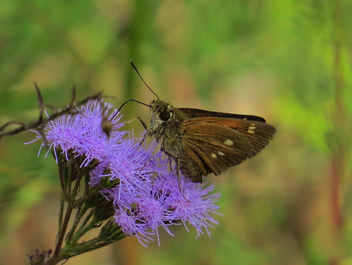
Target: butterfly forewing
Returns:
[[199, 113], [258, 134], [219, 143]]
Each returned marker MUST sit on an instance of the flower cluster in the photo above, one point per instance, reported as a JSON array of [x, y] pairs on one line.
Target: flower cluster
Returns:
[[147, 196]]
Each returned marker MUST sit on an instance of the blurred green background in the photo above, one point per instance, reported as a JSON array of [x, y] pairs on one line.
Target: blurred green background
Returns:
[[288, 61]]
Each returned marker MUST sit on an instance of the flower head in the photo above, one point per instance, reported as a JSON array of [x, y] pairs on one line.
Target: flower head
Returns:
[[147, 195]]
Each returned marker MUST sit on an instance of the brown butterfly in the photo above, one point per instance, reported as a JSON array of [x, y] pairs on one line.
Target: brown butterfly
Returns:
[[203, 142]]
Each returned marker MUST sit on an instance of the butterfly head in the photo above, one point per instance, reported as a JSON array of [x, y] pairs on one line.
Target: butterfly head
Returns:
[[160, 112]]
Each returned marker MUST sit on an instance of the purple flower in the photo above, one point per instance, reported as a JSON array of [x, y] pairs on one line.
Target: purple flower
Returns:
[[147, 196]]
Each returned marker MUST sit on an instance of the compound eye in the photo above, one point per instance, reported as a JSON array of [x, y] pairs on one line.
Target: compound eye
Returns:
[[164, 115]]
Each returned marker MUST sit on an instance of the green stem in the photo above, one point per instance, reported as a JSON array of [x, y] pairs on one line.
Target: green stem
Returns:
[[61, 213], [70, 252], [80, 213], [62, 232], [62, 181], [83, 228]]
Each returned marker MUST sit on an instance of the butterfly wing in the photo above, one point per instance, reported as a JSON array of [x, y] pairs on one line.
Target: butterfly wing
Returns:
[[213, 144], [199, 113]]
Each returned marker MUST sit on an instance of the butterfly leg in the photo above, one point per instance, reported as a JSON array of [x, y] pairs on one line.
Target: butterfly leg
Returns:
[[177, 167], [169, 156], [143, 138], [170, 162], [156, 149], [178, 174], [178, 178], [140, 120]]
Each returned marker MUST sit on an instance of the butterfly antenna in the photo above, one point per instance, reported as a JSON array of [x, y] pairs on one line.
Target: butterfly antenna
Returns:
[[133, 101], [135, 68]]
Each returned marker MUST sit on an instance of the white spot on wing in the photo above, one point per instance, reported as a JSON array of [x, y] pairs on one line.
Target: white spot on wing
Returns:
[[213, 155], [251, 127], [250, 131], [221, 153], [228, 142]]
